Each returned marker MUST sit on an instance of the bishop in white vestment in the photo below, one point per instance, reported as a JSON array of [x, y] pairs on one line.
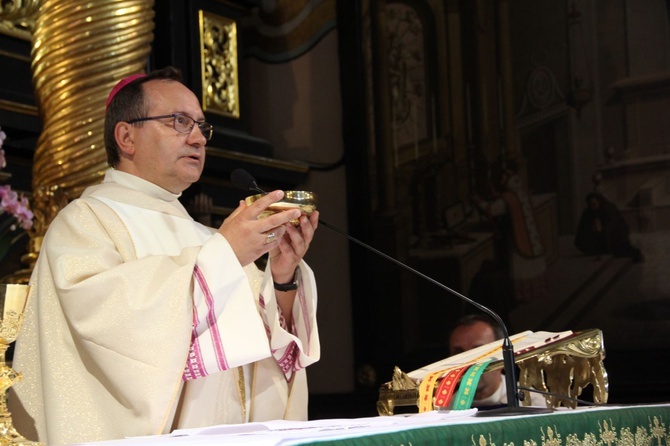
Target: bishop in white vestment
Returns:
[[141, 320]]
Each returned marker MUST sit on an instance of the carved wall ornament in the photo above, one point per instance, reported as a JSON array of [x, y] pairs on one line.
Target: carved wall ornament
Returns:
[[218, 56], [17, 17]]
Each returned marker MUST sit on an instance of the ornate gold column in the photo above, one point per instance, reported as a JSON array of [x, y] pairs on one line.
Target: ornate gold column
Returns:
[[79, 51]]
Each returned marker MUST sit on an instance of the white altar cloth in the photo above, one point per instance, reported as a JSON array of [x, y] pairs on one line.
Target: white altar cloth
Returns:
[[276, 433]]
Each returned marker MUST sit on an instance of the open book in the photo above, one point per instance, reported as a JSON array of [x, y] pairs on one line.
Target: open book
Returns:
[[522, 343]]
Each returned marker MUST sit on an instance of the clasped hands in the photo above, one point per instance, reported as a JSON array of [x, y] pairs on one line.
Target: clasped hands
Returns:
[[250, 237]]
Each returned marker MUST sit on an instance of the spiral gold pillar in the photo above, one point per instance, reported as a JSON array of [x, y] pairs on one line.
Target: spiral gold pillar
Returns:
[[80, 50]]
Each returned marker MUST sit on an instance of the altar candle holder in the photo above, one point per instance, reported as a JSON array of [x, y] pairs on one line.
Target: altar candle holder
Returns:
[[13, 298]]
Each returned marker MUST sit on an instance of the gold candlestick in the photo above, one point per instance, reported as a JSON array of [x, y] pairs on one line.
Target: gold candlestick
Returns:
[[13, 300]]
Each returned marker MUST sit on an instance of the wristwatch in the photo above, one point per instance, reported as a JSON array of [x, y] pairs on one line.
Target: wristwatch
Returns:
[[290, 286]]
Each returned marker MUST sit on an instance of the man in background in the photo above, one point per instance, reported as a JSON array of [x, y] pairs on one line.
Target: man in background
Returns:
[[475, 330]]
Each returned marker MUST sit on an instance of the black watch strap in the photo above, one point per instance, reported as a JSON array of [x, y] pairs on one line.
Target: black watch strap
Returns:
[[290, 286]]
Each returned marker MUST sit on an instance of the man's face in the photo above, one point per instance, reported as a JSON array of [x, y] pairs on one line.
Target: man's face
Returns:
[[162, 155], [467, 337]]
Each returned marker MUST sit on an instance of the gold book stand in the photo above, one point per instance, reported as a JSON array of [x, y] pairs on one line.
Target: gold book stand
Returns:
[[563, 368]]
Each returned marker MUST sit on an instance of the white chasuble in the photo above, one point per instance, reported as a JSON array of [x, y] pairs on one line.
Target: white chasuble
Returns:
[[141, 320]]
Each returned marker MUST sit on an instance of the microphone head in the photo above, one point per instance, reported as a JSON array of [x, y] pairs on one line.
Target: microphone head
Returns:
[[243, 180]]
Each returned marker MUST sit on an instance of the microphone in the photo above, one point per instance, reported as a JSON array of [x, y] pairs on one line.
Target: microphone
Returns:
[[243, 180]]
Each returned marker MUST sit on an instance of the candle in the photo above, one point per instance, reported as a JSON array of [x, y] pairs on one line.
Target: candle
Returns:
[[432, 103], [393, 133], [500, 104], [468, 113], [416, 131], [501, 112]]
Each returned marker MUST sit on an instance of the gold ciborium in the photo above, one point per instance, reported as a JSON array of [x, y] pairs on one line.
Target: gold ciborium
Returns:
[[293, 199], [13, 300]]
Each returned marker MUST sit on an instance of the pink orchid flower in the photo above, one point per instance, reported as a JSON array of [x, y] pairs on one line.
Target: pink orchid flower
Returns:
[[10, 202]]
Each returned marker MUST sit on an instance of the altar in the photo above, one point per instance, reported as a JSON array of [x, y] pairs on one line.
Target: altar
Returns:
[[585, 425], [540, 353]]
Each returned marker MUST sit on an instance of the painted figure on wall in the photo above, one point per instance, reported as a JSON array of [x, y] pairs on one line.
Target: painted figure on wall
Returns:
[[512, 215], [603, 230]]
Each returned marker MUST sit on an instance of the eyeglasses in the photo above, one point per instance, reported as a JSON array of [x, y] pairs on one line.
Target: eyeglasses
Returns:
[[182, 124]]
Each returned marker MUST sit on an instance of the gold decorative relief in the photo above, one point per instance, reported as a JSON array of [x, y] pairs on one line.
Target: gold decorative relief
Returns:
[[567, 369], [218, 58], [17, 17]]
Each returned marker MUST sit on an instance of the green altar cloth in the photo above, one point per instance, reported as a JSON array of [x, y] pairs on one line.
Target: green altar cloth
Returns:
[[632, 425]]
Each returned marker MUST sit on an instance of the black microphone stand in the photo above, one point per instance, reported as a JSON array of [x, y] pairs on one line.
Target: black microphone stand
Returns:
[[244, 180]]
